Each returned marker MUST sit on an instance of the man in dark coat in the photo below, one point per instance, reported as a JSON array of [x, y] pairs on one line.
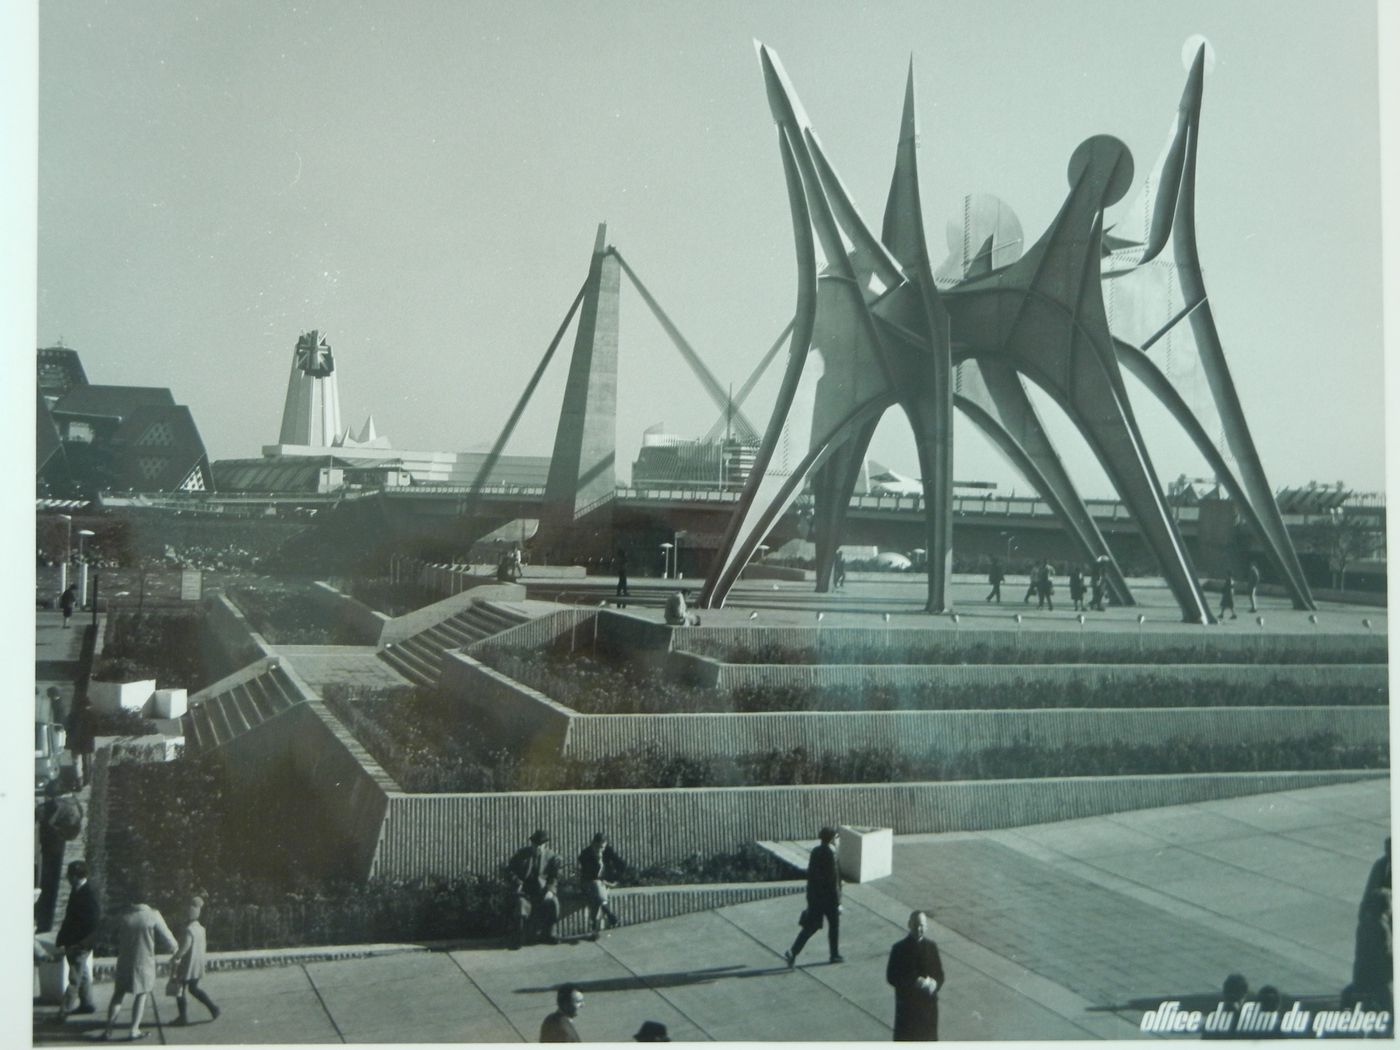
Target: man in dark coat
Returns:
[[823, 898], [75, 937], [916, 973], [535, 870]]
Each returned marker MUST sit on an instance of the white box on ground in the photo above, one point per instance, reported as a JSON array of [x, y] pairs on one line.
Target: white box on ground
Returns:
[[110, 697], [53, 976], [169, 703], [866, 853]]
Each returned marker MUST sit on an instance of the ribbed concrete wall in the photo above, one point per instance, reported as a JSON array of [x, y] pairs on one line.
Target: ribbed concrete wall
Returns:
[[649, 903], [1011, 646], [424, 834], [349, 614], [951, 733], [230, 636], [1000, 677], [507, 713], [350, 788]]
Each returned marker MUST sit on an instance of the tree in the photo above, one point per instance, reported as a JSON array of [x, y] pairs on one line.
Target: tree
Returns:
[[1342, 538]]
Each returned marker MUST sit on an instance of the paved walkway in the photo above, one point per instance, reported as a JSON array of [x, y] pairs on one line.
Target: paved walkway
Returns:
[[1056, 931]]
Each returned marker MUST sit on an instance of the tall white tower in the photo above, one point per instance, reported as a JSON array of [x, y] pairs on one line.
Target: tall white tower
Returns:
[[311, 415]]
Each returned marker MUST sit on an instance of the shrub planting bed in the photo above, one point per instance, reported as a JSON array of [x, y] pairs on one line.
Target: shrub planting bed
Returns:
[[272, 875], [590, 685], [424, 743], [285, 613], [159, 644], [965, 650]]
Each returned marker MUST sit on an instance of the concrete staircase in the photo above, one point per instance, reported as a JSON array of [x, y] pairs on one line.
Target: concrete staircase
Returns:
[[419, 657], [236, 704]]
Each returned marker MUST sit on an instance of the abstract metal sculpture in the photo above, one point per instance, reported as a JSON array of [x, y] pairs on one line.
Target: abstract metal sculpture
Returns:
[[886, 334]]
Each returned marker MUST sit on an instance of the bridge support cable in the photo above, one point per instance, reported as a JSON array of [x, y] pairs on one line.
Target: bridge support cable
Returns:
[[722, 424], [707, 380], [469, 503]]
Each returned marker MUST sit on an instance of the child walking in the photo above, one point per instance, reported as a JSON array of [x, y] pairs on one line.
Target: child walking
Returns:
[[187, 965]]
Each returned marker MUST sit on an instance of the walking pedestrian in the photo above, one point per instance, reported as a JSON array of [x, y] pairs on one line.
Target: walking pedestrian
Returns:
[[838, 570], [76, 937], [1227, 597], [823, 898], [916, 973], [1253, 582], [535, 869], [994, 577], [559, 1027], [596, 865], [1045, 586], [620, 563], [1076, 588], [81, 739], [60, 819], [1099, 583], [67, 601], [187, 965], [138, 929]]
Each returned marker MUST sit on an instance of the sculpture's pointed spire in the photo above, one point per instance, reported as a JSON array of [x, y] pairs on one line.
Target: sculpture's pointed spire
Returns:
[[902, 232], [1150, 217]]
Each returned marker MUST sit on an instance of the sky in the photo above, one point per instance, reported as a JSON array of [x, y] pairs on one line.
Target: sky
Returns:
[[423, 181]]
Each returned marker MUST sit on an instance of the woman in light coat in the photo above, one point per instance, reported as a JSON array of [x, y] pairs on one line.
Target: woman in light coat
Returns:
[[137, 930]]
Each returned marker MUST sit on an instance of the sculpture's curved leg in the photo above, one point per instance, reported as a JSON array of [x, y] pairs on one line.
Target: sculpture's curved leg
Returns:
[[832, 485], [996, 389], [1141, 366], [729, 561], [1165, 215]]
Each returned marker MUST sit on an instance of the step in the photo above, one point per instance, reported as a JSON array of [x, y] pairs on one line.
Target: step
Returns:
[[411, 667]]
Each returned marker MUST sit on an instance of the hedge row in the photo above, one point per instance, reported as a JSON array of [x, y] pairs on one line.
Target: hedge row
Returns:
[[285, 614], [424, 744], [963, 650], [593, 686]]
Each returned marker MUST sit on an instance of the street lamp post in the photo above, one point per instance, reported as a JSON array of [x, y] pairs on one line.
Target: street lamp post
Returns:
[[83, 534], [666, 560], [67, 554]]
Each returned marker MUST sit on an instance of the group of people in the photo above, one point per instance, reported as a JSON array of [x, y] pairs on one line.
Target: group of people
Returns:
[[558, 1027], [140, 932], [1227, 592], [535, 870], [914, 969], [1041, 585], [1372, 985]]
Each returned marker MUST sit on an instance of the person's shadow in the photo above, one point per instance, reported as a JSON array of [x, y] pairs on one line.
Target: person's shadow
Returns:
[[675, 979]]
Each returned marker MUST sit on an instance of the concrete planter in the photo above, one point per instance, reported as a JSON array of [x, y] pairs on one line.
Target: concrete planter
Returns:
[[866, 854], [111, 697]]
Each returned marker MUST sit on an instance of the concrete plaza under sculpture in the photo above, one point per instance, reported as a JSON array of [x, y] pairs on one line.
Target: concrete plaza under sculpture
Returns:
[[1083, 303]]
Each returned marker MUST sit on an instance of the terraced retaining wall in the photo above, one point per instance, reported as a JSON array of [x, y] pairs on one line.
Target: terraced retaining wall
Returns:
[[424, 834], [708, 672], [231, 635], [1237, 643], [528, 722]]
